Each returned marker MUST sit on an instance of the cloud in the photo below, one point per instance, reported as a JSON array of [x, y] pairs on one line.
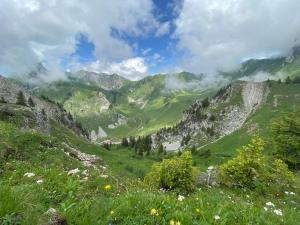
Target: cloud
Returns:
[[218, 34], [36, 30], [132, 68], [163, 29], [173, 83], [263, 76]]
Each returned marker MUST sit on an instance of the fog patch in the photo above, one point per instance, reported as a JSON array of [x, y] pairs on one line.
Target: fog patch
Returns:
[[199, 82], [263, 76]]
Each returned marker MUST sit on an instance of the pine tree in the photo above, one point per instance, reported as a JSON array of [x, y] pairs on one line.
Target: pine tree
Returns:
[[288, 80], [205, 103], [21, 99], [131, 142], [31, 102], [2, 100], [160, 149], [124, 142]]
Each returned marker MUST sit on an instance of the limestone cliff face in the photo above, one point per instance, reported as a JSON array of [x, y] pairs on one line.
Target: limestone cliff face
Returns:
[[224, 114], [37, 117]]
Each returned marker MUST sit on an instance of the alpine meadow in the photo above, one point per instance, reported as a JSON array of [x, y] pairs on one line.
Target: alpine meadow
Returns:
[[149, 112]]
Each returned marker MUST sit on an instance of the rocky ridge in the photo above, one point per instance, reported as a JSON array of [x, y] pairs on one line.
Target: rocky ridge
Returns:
[[206, 121]]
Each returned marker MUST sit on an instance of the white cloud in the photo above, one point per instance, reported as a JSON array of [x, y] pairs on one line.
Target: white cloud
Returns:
[[38, 30], [218, 34], [132, 68], [163, 29]]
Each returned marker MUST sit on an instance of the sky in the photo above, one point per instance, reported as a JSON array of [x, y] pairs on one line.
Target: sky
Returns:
[[135, 38]]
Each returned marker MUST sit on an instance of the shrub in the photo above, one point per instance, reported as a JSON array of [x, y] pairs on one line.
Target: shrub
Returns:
[[286, 137], [244, 169], [173, 174], [250, 168]]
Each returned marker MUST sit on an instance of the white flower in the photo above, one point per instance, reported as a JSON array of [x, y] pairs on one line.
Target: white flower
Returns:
[[270, 204], [286, 192], [210, 168], [74, 171], [181, 198], [85, 172], [265, 208], [217, 217], [104, 176], [39, 181], [29, 175], [51, 211], [247, 196], [292, 193], [278, 212]]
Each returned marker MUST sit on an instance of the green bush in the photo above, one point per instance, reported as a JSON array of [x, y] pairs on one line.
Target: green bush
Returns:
[[286, 137], [173, 174], [250, 168]]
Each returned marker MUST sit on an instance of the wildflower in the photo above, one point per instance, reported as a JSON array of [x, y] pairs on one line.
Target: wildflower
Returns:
[[107, 187], [217, 217], [51, 211], [85, 172], [270, 204], [247, 196], [265, 208], [154, 212], [29, 175], [292, 193], [112, 212], [286, 192], [278, 212], [74, 171], [181, 198], [172, 222], [197, 210], [162, 190], [39, 181], [104, 176]]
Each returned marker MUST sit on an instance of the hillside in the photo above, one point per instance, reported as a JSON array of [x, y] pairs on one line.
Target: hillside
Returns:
[[274, 68], [63, 179], [136, 108], [230, 112]]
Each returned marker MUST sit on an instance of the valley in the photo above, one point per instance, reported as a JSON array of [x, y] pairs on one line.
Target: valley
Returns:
[[78, 150]]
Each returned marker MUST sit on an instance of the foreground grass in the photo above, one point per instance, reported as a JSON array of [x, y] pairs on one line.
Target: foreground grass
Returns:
[[88, 197]]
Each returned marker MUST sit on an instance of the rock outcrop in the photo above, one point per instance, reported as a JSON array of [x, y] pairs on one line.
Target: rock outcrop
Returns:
[[36, 117], [210, 120]]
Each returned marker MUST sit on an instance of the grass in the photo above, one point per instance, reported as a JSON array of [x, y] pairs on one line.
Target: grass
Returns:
[[128, 201]]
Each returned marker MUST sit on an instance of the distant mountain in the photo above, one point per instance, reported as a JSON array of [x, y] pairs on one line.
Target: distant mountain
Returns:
[[103, 80], [286, 65], [131, 107]]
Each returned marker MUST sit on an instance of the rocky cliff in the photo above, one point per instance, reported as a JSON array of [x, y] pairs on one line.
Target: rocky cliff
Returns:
[[206, 121], [37, 116]]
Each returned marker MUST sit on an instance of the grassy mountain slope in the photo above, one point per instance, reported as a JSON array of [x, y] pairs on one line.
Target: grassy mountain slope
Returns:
[[281, 66], [108, 195], [137, 108], [282, 98]]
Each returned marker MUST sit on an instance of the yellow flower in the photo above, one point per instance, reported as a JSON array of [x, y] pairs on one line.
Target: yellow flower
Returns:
[[107, 187], [197, 210], [112, 212], [172, 222], [153, 212]]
